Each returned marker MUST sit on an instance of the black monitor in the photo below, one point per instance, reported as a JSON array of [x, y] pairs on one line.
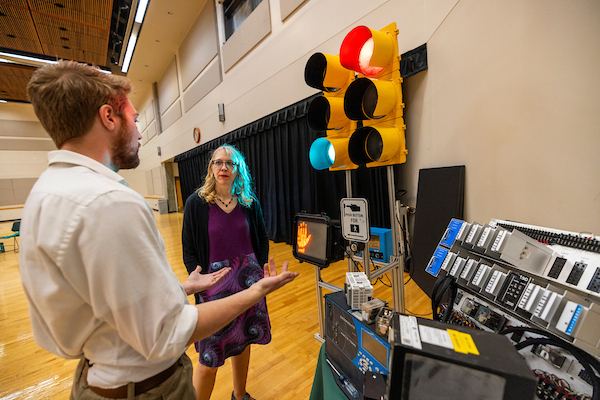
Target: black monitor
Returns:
[[445, 361], [317, 239]]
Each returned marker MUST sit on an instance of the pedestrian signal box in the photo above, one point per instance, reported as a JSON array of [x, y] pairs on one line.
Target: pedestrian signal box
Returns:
[[317, 239]]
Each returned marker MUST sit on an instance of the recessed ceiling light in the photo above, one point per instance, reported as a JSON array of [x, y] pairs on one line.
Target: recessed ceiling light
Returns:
[[24, 59], [141, 11]]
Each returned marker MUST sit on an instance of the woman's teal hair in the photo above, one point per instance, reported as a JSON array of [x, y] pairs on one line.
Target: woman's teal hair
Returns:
[[242, 185]]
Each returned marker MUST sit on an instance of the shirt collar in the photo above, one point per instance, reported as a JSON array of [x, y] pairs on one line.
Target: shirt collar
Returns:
[[71, 157]]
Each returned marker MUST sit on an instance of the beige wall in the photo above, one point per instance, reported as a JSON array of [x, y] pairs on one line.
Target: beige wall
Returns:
[[512, 92]]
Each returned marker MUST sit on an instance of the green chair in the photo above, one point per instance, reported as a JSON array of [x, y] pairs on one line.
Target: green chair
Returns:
[[16, 229]]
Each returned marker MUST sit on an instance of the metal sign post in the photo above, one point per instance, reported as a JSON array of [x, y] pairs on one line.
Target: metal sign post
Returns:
[[397, 273]]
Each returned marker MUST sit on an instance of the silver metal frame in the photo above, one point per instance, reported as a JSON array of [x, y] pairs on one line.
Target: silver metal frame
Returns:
[[396, 267]]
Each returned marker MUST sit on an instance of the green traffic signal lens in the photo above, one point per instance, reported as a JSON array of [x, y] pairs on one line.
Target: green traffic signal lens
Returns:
[[331, 154], [321, 154]]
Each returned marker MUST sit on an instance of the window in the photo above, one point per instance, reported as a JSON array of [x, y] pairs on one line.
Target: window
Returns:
[[236, 12]]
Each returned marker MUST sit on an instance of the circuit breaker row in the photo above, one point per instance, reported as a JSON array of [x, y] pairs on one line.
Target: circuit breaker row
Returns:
[[553, 287]]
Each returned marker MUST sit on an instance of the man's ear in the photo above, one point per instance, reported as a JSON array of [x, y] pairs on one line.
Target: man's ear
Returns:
[[107, 116]]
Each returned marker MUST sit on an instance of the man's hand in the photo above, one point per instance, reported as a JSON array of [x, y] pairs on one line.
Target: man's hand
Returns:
[[272, 281], [198, 282]]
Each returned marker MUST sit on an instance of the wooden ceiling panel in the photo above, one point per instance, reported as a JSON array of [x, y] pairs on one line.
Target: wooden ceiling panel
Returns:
[[61, 29], [89, 12], [65, 39], [18, 3], [14, 80], [17, 30], [86, 56]]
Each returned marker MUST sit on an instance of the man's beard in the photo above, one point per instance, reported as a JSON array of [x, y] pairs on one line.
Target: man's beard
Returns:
[[121, 154]]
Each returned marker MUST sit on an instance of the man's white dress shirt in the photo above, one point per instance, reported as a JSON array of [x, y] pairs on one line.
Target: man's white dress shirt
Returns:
[[94, 269]]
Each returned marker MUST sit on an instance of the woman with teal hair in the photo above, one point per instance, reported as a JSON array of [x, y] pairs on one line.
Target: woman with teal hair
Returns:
[[223, 227]]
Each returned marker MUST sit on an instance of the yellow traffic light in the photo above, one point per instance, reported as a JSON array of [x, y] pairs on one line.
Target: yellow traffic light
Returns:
[[375, 97], [326, 113]]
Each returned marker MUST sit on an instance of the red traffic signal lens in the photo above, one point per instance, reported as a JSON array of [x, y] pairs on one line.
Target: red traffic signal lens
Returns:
[[366, 51]]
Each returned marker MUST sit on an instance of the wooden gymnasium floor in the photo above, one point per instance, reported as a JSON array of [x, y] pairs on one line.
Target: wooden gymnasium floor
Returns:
[[284, 369]]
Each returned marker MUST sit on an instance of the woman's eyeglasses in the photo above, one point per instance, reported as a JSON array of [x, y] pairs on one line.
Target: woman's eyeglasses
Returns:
[[219, 164]]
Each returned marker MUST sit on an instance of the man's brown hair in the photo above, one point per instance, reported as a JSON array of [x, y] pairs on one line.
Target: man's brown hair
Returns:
[[67, 95]]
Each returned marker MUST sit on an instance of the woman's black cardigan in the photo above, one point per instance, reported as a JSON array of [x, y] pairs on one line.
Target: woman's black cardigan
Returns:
[[195, 240]]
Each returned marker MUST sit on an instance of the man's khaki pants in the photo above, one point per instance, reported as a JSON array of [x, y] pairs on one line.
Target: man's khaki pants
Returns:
[[177, 387]]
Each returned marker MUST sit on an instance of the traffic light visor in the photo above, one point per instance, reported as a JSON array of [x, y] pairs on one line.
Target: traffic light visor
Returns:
[[366, 51], [325, 72], [368, 99], [325, 113], [370, 144]]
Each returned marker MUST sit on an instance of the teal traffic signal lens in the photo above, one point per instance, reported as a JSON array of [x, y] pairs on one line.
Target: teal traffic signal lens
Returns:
[[321, 154]]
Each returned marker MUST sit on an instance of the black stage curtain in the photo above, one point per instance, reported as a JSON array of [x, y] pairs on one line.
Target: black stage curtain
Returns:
[[276, 149]]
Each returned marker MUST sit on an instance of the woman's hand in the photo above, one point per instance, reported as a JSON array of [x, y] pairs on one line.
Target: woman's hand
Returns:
[[198, 282]]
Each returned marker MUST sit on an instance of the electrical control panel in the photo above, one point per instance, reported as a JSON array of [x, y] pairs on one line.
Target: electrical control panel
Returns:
[[511, 274], [352, 345]]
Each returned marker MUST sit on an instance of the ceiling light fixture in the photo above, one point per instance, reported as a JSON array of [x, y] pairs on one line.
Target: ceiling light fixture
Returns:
[[20, 59], [129, 52], [141, 11], [135, 31], [10, 57]]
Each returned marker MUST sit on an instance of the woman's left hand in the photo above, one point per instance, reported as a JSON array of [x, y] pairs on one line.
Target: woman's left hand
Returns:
[[198, 282]]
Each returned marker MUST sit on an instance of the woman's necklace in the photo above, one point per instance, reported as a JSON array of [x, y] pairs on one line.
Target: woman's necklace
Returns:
[[225, 204]]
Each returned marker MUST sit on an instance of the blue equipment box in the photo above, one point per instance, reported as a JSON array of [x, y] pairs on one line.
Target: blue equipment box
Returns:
[[436, 261], [380, 245], [451, 232]]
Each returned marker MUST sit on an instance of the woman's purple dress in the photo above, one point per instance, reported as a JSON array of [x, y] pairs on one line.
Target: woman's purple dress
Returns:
[[230, 246]]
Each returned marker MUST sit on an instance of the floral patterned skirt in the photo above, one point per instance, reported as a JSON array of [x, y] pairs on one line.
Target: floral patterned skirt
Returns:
[[251, 327]]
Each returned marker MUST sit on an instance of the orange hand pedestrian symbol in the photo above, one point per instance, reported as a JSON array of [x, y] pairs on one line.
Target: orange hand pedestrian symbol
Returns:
[[303, 238]]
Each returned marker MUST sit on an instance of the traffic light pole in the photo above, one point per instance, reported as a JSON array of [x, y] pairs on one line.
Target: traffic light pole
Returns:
[[398, 272], [396, 266], [320, 336]]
